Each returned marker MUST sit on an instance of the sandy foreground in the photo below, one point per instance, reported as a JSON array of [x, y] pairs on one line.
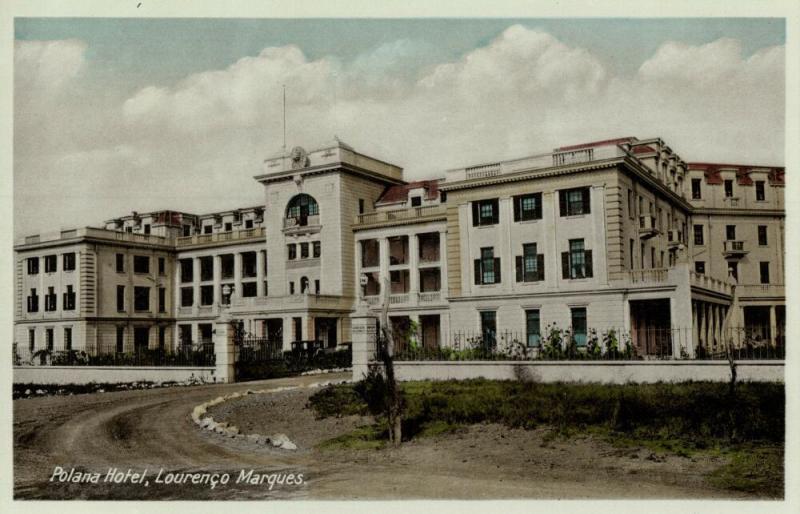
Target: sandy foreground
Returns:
[[150, 432]]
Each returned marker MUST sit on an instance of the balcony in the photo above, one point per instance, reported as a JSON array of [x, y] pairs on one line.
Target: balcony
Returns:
[[221, 237], [674, 238], [94, 233], [734, 249], [647, 226], [402, 216], [301, 225], [703, 281]]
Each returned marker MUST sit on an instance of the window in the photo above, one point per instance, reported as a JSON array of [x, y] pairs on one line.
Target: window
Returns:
[[370, 253], [248, 223], [120, 263], [487, 268], [532, 330], [50, 300], [700, 267], [162, 299], [291, 287], [120, 339], [728, 184], [574, 201], [249, 289], [226, 265], [33, 301], [416, 201], [228, 227], [297, 327], [398, 250], [187, 230], [316, 286], [206, 295], [317, 249], [304, 250], [68, 338], [361, 206], [300, 208], [762, 235], [489, 328], [207, 229], [577, 262], [764, 272], [292, 252], [162, 337], [48, 333], [68, 261], [31, 339], [631, 244], [249, 264], [120, 298], [303, 285], [50, 264], [162, 266], [696, 194], [485, 212], [528, 207], [147, 228], [631, 214], [730, 232], [579, 325], [760, 195], [187, 270], [530, 265], [187, 296], [698, 235], [141, 264], [129, 229], [206, 268], [33, 266], [733, 270], [69, 299], [141, 299]]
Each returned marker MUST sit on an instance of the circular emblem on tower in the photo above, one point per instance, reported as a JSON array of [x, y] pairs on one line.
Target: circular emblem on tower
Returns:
[[299, 158]]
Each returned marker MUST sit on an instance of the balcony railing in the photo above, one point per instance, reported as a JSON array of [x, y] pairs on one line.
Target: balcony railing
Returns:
[[734, 248], [647, 226], [648, 276], [398, 298], [431, 296], [710, 283], [300, 223], [413, 213], [96, 233], [235, 235]]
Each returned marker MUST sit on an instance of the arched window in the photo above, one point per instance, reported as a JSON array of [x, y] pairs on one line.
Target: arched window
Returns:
[[303, 285], [301, 207]]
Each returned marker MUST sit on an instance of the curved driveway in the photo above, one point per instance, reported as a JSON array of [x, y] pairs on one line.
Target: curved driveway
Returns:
[[144, 429]]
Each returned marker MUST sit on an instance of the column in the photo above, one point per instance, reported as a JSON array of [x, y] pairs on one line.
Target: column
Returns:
[[237, 274], [413, 267], [443, 265], [260, 260], [217, 280], [773, 325], [359, 292], [195, 285], [383, 246], [695, 325], [703, 334]]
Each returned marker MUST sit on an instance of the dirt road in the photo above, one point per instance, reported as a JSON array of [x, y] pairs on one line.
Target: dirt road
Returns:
[[151, 431]]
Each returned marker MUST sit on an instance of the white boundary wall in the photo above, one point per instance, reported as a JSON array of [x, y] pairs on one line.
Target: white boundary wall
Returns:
[[63, 375], [620, 372]]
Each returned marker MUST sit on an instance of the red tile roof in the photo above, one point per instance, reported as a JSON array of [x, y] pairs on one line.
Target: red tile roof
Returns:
[[643, 149], [712, 172], [593, 144], [399, 193]]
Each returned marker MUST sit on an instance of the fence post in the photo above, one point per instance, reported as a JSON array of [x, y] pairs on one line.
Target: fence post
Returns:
[[224, 351], [364, 336]]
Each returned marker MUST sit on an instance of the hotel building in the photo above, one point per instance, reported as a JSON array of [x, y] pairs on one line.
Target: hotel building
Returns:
[[619, 234]]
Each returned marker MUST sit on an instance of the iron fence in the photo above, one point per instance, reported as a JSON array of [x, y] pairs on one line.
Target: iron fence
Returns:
[[200, 354], [555, 344]]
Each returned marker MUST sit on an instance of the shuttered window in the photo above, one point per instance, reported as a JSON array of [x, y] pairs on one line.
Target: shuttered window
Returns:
[[528, 207], [529, 265], [577, 262], [487, 268], [485, 212], [574, 201]]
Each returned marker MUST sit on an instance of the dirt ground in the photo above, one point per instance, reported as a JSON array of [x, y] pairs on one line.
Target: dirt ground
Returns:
[[152, 430]]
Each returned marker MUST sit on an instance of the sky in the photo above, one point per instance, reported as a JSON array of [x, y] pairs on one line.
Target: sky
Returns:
[[116, 115]]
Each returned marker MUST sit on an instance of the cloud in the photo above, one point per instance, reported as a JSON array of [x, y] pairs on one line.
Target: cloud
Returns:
[[195, 144]]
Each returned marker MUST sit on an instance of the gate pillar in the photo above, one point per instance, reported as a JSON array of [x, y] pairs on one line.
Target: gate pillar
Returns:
[[224, 351], [364, 337]]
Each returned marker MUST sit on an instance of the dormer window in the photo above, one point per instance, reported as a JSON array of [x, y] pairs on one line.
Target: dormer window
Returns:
[[729, 188], [300, 208], [416, 201]]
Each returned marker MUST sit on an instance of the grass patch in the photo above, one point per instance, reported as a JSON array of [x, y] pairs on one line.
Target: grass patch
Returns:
[[755, 470], [368, 437]]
